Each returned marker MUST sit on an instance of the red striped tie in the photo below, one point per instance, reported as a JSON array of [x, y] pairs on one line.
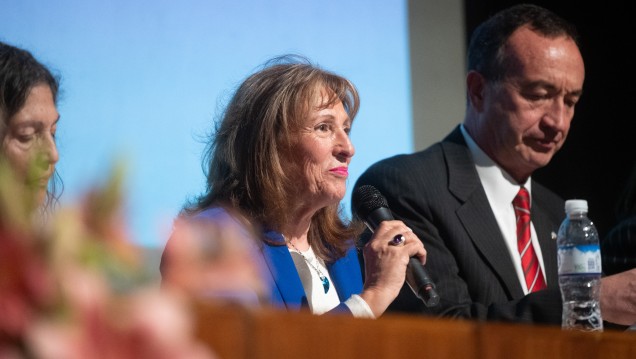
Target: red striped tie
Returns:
[[529, 260]]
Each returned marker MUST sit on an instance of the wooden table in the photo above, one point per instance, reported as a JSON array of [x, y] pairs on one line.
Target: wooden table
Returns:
[[235, 332]]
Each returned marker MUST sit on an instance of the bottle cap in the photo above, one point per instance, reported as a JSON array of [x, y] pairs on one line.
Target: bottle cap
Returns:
[[575, 205]]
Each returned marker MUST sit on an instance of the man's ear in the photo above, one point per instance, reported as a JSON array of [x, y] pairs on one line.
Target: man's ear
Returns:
[[475, 86]]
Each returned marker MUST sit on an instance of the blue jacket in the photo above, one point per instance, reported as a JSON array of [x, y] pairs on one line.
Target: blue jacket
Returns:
[[286, 289]]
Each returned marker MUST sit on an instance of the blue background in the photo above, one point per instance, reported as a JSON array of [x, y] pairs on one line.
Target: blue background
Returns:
[[143, 82]]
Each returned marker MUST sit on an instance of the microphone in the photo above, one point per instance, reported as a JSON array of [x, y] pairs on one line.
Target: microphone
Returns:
[[372, 208]]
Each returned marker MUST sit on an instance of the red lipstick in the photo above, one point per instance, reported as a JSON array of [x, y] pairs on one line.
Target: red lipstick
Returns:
[[342, 171]]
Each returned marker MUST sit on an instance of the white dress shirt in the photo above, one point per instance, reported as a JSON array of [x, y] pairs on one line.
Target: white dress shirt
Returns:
[[501, 189]]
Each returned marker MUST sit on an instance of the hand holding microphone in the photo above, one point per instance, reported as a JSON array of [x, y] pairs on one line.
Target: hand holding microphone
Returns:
[[372, 208]]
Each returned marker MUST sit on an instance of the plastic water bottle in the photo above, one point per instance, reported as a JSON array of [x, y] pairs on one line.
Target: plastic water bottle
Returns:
[[579, 259]]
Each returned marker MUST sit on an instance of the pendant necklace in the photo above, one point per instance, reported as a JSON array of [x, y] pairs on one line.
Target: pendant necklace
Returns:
[[323, 278]]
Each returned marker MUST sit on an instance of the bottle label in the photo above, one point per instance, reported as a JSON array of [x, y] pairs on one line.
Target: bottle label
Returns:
[[581, 259]]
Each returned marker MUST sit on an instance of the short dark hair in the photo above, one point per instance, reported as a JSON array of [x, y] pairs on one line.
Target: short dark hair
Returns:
[[19, 73], [487, 40]]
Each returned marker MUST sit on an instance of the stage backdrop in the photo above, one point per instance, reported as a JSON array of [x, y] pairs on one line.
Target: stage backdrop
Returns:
[[143, 82]]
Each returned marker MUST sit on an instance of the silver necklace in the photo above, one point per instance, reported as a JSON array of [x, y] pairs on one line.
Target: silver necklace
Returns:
[[323, 278]]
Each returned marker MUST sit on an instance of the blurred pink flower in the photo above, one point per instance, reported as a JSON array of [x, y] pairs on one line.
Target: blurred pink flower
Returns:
[[26, 286], [73, 287]]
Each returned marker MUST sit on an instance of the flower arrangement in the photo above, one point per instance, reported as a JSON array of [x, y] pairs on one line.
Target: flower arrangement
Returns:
[[72, 284]]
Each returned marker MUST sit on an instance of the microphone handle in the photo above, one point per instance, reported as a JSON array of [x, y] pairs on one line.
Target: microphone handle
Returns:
[[416, 276]]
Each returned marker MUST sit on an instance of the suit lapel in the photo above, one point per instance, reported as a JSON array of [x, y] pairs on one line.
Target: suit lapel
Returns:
[[284, 274], [475, 213], [346, 275]]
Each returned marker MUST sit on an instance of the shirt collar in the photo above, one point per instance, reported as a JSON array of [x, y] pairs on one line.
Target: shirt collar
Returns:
[[500, 187]]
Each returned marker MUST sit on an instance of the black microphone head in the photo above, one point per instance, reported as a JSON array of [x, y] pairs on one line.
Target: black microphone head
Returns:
[[366, 199]]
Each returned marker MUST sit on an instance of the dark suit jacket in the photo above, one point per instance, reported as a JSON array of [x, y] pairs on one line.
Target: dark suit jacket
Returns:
[[437, 193], [618, 248]]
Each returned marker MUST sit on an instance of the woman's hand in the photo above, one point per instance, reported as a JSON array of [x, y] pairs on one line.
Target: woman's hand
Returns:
[[385, 261]]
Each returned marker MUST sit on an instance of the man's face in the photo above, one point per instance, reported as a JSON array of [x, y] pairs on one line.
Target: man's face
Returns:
[[527, 115]]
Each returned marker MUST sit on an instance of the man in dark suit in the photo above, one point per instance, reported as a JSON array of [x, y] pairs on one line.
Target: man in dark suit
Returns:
[[525, 76]]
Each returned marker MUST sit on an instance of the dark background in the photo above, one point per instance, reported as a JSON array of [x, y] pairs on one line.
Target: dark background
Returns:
[[595, 162]]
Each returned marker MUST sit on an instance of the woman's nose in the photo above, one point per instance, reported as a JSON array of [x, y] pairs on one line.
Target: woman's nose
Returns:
[[47, 152], [344, 147]]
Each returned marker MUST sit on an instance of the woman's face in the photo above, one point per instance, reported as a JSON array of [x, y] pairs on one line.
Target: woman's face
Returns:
[[323, 153], [29, 142]]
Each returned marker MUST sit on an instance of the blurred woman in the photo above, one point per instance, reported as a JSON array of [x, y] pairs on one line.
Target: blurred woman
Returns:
[[28, 122], [280, 157]]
